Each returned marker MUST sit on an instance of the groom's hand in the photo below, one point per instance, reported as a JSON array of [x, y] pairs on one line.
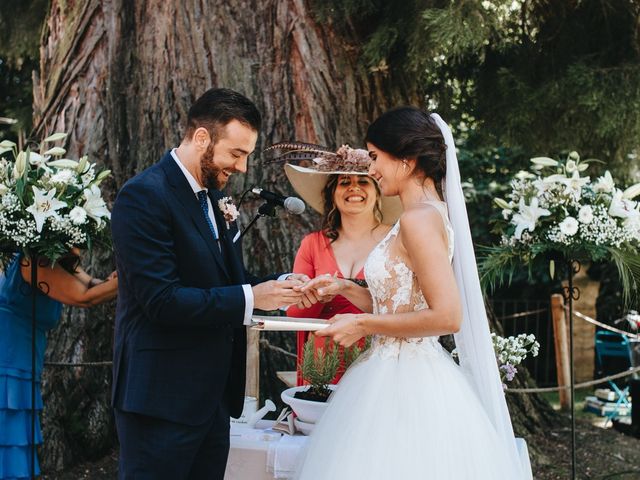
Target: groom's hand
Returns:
[[275, 294]]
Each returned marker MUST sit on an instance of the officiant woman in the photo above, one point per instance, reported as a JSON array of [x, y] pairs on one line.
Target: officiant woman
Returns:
[[355, 217]]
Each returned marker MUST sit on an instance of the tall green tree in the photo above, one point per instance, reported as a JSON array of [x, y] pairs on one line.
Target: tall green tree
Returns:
[[542, 75], [20, 30]]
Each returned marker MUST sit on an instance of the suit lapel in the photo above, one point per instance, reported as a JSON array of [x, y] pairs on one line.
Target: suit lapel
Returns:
[[189, 202], [234, 263]]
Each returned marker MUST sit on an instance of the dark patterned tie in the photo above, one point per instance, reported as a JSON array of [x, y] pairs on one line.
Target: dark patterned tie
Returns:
[[202, 196]]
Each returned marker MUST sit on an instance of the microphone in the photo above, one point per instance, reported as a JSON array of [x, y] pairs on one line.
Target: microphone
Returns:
[[291, 204]]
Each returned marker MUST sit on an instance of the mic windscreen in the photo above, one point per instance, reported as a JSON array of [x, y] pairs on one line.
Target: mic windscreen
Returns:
[[294, 205]]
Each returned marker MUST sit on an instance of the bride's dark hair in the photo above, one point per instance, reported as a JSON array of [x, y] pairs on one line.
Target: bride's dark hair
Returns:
[[408, 132]]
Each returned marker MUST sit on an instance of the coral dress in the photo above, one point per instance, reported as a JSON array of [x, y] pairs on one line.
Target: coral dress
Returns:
[[15, 369], [314, 258], [404, 409]]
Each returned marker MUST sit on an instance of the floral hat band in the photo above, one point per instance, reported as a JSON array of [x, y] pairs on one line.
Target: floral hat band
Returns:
[[322, 159]]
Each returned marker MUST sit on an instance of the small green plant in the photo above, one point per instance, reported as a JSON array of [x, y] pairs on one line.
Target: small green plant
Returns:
[[319, 367], [353, 352]]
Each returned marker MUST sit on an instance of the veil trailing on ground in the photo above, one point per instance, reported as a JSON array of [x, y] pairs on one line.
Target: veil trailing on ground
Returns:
[[473, 341]]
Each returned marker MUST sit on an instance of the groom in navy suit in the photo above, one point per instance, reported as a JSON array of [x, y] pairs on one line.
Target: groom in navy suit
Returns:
[[185, 298]]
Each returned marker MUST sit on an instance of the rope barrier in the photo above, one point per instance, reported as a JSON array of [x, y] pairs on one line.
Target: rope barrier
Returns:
[[78, 364], [523, 314], [590, 383], [586, 318]]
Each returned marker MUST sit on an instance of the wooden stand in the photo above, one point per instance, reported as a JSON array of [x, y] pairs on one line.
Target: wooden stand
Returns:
[[561, 341]]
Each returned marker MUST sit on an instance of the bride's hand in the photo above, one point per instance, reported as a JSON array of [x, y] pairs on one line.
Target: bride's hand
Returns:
[[346, 329], [326, 287]]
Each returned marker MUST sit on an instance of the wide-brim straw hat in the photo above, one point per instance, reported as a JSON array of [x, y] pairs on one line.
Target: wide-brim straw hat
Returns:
[[309, 184]]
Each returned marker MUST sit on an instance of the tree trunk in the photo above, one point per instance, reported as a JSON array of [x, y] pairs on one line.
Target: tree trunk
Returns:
[[119, 76]]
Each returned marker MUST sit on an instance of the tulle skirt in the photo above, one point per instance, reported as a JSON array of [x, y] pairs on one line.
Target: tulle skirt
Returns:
[[404, 411]]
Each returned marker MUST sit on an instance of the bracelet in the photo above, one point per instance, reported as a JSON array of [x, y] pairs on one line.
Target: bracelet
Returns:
[[358, 281]]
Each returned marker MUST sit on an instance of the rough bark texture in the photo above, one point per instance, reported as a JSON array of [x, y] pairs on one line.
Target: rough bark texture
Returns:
[[120, 75]]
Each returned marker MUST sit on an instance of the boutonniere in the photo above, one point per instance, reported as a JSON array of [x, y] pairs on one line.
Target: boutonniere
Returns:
[[228, 209]]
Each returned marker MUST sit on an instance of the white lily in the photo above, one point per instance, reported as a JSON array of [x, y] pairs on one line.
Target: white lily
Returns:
[[633, 223], [20, 166], [501, 203], [64, 163], [38, 160], [631, 192], [571, 166], [7, 144], [528, 216], [55, 137], [55, 151], [44, 206], [621, 207], [82, 164], [94, 204], [555, 178], [605, 183], [101, 176], [524, 175], [575, 183], [544, 162]]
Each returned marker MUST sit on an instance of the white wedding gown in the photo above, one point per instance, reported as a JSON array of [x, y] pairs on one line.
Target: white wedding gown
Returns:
[[404, 410]]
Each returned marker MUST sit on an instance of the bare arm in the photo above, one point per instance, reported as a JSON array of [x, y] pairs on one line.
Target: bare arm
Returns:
[[68, 288], [328, 286], [419, 228]]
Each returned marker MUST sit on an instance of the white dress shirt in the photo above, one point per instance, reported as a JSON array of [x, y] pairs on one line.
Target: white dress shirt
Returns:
[[195, 186]]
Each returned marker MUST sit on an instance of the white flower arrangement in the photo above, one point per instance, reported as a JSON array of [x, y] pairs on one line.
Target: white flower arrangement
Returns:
[[557, 213], [511, 352], [48, 204]]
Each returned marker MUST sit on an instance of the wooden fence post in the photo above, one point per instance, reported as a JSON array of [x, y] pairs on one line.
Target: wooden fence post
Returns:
[[561, 341], [253, 364]]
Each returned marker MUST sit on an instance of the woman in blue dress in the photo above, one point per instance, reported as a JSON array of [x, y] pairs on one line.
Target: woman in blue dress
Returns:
[[65, 283]]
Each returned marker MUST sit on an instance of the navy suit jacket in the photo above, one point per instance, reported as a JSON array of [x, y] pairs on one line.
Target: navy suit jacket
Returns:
[[180, 342]]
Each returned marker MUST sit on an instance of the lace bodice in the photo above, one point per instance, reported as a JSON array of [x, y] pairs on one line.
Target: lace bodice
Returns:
[[394, 288]]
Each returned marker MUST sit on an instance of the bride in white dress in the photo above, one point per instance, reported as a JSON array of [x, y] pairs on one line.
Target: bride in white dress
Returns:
[[405, 410]]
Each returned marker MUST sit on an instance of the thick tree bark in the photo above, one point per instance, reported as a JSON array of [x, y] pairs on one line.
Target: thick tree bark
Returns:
[[120, 75]]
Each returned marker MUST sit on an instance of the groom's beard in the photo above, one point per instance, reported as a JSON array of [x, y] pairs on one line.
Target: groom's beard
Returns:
[[210, 172]]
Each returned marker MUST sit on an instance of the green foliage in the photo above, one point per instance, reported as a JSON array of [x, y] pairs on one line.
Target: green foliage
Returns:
[[537, 75], [353, 352], [21, 24], [319, 367], [20, 28], [628, 265]]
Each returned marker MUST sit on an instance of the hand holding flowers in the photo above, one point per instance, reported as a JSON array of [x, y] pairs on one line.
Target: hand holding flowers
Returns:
[[48, 204]]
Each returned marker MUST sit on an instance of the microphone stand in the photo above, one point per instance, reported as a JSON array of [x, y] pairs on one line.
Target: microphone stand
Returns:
[[267, 209]]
